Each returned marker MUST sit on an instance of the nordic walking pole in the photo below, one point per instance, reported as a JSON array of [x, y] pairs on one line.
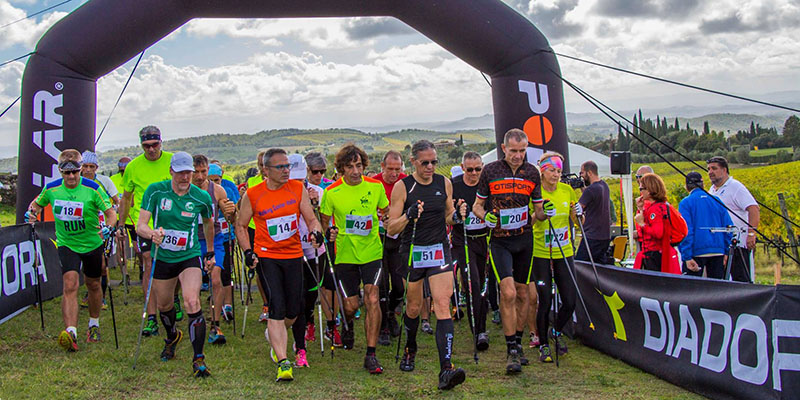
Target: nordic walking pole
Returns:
[[405, 289], [589, 251], [333, 274], [566, 264], [113, 316], [37, 264], [147, 296], [250, 273], [123, 269], [471, 304], [319, 295]]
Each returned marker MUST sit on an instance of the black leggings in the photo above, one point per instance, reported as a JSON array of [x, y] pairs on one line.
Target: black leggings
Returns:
[[477, 264], [391, 290], [566, 291]]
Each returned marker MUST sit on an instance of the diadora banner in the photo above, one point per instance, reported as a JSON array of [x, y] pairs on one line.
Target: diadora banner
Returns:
[[719, 339], [17, 276]]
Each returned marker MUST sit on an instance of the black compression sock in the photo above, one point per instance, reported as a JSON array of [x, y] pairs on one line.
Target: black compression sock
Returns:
[[176, 299], [511, 342], [168, 319], [197, 332], [444, 341], [104, 284], [299, 333], [370, 351], [151, 317], [411, 326], [331, 324], [518, 338]]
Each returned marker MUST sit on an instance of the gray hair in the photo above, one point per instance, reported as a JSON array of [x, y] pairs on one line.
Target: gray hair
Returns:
[[269, 153], [421, 145], [150, 130], [315, 159], [517, 134]]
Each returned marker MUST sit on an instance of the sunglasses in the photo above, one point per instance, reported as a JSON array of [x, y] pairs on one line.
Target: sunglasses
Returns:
[[641, 189], [150, 146], [318, 171], [70, 172], [639, 176], [426, 163], [476, 169], [281, 166]]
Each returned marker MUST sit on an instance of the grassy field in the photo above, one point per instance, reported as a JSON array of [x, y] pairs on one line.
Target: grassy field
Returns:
[[769, 152], [33, 366]]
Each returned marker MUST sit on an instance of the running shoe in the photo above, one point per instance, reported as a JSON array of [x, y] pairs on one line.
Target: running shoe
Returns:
[[383, 338], [93, 334], [264, 314], [300, 359], [358, 314], [426, 327], [199, 367], [372, 364], [522, 359], [333, 334], [310, 332], [170, 345], [227, 313], [150, 328], [394, 327], [348, 339], [68, 341], [407, 362], [284, 371], [513, 365], [451, 377], [535, 342], [104, 306], [496, 317], [216, 336], [483, 341], [85, 301], [178, 311], [561, 345], [544, 354]]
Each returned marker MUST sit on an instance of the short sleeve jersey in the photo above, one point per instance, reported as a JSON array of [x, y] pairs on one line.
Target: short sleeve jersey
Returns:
[[387, 187], [276, 214], [139, 174], [75, 212], [106, 184], [737, 198], [597, 209], [178, 216], [308, 249], [355, 212], [545, 240], [510, 193]]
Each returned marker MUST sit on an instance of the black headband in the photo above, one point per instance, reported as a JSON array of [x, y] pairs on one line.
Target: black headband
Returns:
[[69, 166], [149, 136]]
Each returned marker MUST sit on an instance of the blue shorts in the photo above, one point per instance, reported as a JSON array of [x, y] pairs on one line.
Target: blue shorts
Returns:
[[219, 250]]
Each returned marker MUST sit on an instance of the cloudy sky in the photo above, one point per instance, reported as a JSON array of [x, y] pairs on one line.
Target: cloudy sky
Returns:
[[319, 73]]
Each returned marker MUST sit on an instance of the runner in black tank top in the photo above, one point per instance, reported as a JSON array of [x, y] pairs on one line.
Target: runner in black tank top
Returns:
[[426, 198]]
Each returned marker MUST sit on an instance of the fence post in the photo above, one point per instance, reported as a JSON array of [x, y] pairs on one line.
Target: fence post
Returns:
[[789, 230]]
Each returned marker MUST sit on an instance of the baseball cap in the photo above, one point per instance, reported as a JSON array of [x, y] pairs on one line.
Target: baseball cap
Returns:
[[693, 178], [298, 170], [181, 161], [89, 157], [214, 169]]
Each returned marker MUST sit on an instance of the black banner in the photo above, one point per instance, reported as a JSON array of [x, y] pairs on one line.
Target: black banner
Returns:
[[716, 338], [17, 290]]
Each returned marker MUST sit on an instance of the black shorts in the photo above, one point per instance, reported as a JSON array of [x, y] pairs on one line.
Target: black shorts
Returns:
[[415, 274], [131, 232], [283, 282], [144, 244], [321, 271], [165, 270], [350, 276], [512, 257], [91, 263]]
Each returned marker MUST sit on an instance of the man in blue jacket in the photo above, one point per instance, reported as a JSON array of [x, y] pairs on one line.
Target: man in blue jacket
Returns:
[[702, 249]]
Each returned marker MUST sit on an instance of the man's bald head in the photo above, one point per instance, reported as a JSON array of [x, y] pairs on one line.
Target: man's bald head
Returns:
[[644, 169]]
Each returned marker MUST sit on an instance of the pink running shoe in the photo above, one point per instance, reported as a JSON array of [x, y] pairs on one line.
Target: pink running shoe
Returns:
[[300, 359]]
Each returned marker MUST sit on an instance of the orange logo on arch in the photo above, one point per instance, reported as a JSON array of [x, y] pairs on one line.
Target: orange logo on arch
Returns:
[[538, 129]]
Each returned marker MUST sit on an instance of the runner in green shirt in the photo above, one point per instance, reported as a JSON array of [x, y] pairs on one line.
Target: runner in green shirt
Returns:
[[353, 202], [147, 168], [175, 206], [79, 236]]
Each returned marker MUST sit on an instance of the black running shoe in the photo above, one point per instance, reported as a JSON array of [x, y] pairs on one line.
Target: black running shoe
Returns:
[[348, 339], [522, 359], [451, 377], [383, 338], [483, 341], [170, 346], [372, 365], [407, 363], [199, 368], [513, 365]]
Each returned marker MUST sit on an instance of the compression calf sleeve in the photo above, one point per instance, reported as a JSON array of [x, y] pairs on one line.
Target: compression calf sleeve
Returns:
[[168, 320], [104, 284], [197, 332], [299, 332], [444, 341], [411, 326]]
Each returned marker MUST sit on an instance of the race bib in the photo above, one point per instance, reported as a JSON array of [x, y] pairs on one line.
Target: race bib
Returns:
[[101, 217], [223, 226], [428, 256], [382, 230], [68, 210], [514, 218], [282, 228], [473, 223], [175, 240], [305, 242], [561, 238], [358, 224]]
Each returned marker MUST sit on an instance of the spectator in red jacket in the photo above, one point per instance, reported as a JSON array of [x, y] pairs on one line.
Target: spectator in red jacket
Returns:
[[651, 226]]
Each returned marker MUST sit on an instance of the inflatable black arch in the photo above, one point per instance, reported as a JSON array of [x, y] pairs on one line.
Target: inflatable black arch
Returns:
[[59, 87]]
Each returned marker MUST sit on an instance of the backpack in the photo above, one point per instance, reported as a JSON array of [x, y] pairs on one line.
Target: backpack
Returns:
[[676, 229]]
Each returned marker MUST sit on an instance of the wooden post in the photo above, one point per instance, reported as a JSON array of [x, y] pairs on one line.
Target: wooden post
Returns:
[[792, 238]]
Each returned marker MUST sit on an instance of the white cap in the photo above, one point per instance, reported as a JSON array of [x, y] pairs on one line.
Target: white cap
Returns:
[[298, 170], [456, 171], [182, 161]]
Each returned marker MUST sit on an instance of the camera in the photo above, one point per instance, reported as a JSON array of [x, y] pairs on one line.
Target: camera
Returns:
[[575, 181]]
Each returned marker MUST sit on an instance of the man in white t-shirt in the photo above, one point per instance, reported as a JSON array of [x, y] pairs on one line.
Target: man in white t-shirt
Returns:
[[743, 207]]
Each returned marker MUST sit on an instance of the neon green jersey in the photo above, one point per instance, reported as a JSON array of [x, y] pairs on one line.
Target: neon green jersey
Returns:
[[178, 215], [75, 212], [355, 212], [139, 174], [119, 182], [563, 198], [252, 181]]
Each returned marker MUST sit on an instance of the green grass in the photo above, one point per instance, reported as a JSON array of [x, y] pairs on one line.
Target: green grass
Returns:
[[769, 152], [33, 366], [7, 215]]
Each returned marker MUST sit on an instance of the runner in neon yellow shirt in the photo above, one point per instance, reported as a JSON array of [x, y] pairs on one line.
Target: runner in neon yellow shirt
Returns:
[[79, 235], [353, 202]]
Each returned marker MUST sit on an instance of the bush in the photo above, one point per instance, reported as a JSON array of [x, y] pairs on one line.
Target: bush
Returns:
[[732, 157], [743, 155], [781, 157]]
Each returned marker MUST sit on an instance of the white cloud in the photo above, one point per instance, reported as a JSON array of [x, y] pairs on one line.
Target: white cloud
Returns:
[[321, 33], [26, 32]]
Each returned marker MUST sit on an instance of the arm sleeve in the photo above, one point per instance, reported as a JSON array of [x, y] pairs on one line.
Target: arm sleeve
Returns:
[[108, 185], [44, 198], [654, 228], [744, 199], [687, 242]]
